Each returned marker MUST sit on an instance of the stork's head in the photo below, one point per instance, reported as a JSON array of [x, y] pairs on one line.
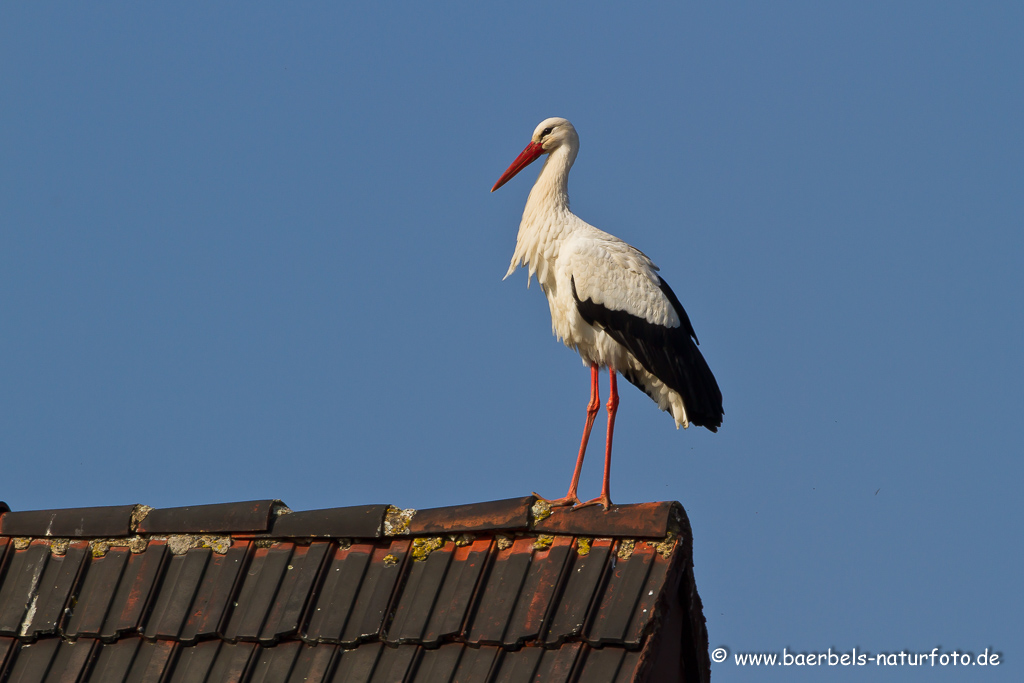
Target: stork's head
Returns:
[[550, 135]]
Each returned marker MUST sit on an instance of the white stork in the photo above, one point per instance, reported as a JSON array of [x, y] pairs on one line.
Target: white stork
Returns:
[[608, 302]]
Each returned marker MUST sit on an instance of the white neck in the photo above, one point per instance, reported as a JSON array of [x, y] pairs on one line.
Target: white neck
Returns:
[[546, 218], [551, 191]]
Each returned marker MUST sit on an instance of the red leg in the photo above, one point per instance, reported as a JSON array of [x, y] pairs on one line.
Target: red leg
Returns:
[[592, 408], [613, 405]]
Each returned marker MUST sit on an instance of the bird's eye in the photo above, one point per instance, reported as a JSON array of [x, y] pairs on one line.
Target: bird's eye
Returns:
[[546, 131]]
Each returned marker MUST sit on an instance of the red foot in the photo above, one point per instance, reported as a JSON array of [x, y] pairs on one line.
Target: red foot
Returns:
[[603, 500], [561, 502]]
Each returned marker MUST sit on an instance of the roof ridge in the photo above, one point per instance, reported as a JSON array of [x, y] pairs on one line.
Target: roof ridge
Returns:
[[272, 519]]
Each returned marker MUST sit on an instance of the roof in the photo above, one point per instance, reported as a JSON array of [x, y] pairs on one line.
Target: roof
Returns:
[[506, 591]]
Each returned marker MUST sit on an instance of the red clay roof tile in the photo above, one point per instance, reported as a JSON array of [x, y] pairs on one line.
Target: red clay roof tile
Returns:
[[94, 522], [498, 592], [499, 515], [361, 521], [253, 516]]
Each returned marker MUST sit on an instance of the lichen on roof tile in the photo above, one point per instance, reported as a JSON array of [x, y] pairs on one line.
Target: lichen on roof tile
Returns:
[[543, 542], [59, 546], [461, 540], [179, 544], [139, 513], [396, 521], [540, 510], [423, 546], [101, 546], [665, 546]]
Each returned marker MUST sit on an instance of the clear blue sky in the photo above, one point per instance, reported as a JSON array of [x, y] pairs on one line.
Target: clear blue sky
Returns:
[[248, 251]]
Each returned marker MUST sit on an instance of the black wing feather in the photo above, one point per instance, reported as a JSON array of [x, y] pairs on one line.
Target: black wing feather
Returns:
[[668, 353]]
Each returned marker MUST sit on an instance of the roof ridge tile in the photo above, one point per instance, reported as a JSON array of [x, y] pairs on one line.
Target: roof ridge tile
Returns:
[[88, 522], [246, 516]]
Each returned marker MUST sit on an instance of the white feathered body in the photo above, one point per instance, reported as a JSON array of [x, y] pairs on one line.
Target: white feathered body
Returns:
[[564, 251]]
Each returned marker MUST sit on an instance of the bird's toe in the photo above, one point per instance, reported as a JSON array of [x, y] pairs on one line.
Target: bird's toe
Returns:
[[561, 502], [602, 500]]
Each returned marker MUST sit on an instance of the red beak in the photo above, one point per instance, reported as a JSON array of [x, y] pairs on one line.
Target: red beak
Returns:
[[527, 157]]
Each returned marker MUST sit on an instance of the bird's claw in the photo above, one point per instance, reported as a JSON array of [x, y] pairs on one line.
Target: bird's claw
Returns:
[[602, 500], [569, 500]]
